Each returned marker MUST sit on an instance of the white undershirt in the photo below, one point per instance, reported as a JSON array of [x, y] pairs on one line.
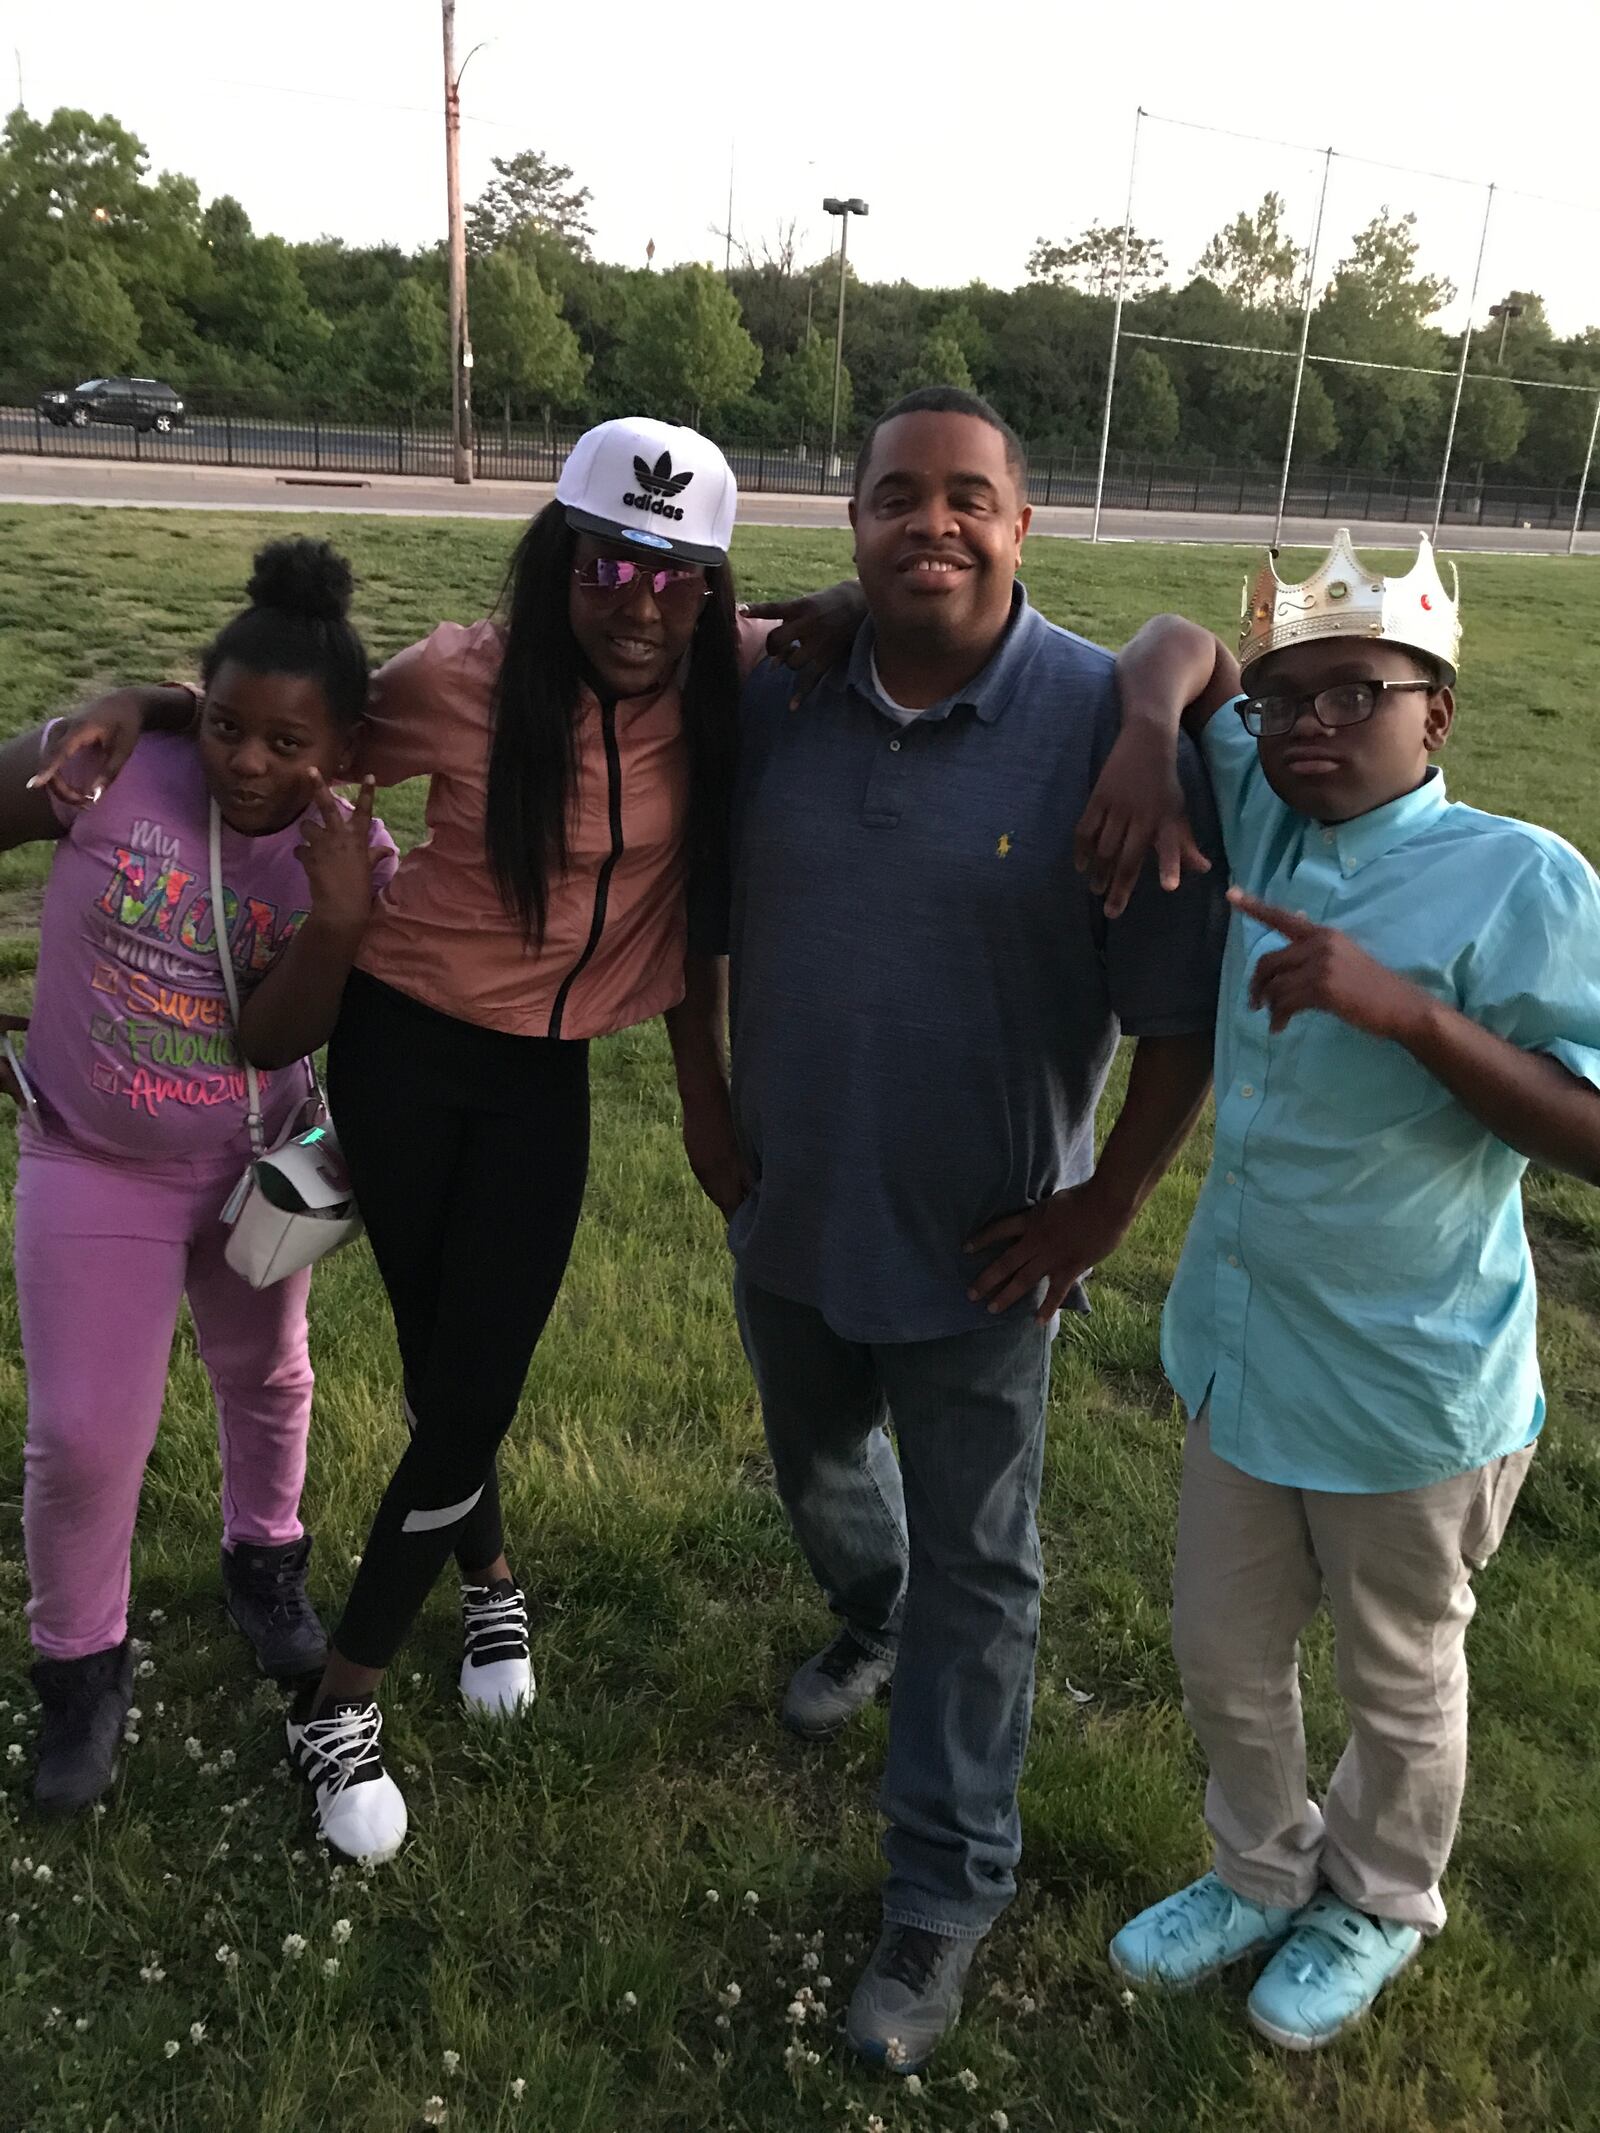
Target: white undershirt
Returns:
[[901, 715]]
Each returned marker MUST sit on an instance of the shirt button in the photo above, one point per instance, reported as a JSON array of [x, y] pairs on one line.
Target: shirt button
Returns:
[[1232, 1261], [894, 747], [1327, 836], [1247, 1088]]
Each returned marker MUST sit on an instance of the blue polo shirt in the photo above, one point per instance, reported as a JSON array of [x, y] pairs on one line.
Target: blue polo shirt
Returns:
[[926, 995], [1356, 1294]]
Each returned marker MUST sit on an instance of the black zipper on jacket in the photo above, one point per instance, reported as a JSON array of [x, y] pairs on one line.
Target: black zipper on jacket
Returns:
[[602, 887]]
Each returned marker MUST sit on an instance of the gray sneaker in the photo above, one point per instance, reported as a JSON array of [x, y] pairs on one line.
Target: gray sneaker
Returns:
[[829, 1690], [908, 1996]]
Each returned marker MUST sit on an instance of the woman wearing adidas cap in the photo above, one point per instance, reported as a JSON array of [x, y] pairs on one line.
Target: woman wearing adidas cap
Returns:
[[580, 751]]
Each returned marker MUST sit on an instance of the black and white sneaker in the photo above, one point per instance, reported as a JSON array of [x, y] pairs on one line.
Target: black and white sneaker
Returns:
[[828, 1690], [361, 1811], [496, 1670]]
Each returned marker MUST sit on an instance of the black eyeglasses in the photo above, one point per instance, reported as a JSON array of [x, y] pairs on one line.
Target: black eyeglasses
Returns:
[[1347, 703]]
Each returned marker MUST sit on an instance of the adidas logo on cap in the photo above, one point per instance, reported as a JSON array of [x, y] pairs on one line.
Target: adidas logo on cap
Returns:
[[658, 485]]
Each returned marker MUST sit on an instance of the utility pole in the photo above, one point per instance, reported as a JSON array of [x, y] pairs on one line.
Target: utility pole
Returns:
[[844, 209], [460, 343]]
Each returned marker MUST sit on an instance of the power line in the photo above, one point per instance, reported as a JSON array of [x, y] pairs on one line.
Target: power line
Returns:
[[1420, 370]]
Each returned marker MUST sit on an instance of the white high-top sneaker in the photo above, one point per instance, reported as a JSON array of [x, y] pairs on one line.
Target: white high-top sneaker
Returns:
[[496, 1670], [361, 1811]]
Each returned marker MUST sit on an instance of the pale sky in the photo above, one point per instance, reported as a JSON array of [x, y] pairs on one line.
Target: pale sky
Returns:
[[969, 129]]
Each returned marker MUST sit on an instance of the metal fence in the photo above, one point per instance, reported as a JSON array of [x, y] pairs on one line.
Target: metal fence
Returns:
[[332, 448]]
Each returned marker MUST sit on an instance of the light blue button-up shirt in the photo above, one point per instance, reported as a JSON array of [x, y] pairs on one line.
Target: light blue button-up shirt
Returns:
[[1356, 1294]]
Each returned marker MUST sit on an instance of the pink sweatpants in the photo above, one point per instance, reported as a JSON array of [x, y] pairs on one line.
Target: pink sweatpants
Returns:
[[105, 1252]]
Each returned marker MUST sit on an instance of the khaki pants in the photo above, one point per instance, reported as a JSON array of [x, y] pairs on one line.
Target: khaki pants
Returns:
[[1253, 1561]]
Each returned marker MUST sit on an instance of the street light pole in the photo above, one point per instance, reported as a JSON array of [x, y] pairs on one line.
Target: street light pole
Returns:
[[844, 209], [460, 344]]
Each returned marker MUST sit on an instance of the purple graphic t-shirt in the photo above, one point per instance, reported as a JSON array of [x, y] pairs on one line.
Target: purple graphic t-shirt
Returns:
[[130, 1047]]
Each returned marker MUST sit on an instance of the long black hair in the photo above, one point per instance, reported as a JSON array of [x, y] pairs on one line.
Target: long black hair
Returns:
[[298, 622], [533, 761]]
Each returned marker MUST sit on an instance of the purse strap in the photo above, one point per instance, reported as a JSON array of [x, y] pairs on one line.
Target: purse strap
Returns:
[[230, 985]]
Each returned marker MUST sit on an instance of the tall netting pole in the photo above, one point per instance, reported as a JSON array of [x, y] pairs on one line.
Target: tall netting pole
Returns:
[[1583, 485], [1116, 330], [1461, 374], [1300, 360]]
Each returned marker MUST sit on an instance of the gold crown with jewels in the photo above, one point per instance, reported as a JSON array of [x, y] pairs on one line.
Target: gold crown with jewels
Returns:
[[1343, 598]]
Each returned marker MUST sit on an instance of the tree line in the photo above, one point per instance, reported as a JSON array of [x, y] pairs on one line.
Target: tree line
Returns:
[[110, 269]]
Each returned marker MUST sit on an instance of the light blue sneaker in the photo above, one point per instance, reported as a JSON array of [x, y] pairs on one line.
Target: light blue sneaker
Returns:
[[1192, 1935], [1328, 1973]]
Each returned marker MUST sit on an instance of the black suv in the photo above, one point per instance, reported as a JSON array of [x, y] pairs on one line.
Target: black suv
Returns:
[[142, 403]]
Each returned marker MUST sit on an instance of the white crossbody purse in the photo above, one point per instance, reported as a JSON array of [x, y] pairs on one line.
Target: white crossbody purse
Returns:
[[294, 1204]]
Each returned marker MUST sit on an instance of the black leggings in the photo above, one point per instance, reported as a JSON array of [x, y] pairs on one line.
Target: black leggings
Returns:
[[468, 1150]]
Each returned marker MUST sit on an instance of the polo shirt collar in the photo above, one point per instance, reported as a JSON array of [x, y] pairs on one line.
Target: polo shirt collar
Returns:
[[1369, 836], [990, 689]]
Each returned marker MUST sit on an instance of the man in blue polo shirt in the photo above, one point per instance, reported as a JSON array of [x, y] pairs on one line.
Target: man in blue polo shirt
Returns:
[[926, 998]]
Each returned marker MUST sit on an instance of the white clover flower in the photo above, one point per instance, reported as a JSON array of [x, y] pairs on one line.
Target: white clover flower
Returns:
[[132, 1715], [1127, 1999], [433, 2111], [519, 2089], [130, 1738], [192, 1749], [340, 1932], [227, 1758], [42, 1873], [208, 1770], [330, 1966], [1027, 2004], [796, 2011], [630, 2000], [171, 2048], [968, 2079], [823, 1983], [751, 1899], [161, 1710], [81, 2024], [294, 1946], [913, 2084], [452, 2062], [811, 1961], [722, 2022], [228, 1957], [1000, 2122], [197, 2032], [52, 2019], [712, 1896], [155, 1617], [730, 1995], [874, 2124], [151, 1973], [14, 1752], [894, 2053]]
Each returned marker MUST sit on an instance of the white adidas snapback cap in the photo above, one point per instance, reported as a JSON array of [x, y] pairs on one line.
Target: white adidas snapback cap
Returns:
[[653, 483]]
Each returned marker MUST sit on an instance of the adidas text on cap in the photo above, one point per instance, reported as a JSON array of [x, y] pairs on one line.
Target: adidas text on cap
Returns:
[[653, 483]]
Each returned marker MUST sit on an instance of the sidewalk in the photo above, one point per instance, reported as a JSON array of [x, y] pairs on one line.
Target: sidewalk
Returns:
[[120, 483]]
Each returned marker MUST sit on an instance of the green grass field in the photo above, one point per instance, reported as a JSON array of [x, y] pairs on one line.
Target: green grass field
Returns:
[[581, 1894]]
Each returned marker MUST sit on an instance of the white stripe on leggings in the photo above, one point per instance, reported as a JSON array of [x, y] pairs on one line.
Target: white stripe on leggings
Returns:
[[429, 1521]]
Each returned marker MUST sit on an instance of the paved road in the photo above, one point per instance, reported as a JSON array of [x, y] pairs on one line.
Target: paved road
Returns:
[[120, 482]]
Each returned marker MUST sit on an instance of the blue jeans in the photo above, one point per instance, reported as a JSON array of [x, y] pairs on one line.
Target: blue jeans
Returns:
[[932, 1560]]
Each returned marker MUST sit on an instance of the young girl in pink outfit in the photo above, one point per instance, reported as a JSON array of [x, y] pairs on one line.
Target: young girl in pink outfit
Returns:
[[132, 1131]]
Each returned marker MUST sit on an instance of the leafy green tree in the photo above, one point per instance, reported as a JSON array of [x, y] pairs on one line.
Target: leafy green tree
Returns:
[[86, 325], [1093, 262], [684, 348], [940, 360], [1146, 413], [1253, 259], [530, 192], [407, 361], [524, 349], [805, 389]]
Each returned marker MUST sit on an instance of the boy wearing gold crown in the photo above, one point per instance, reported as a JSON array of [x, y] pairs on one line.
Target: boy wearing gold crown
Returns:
[[1409, 1012]]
